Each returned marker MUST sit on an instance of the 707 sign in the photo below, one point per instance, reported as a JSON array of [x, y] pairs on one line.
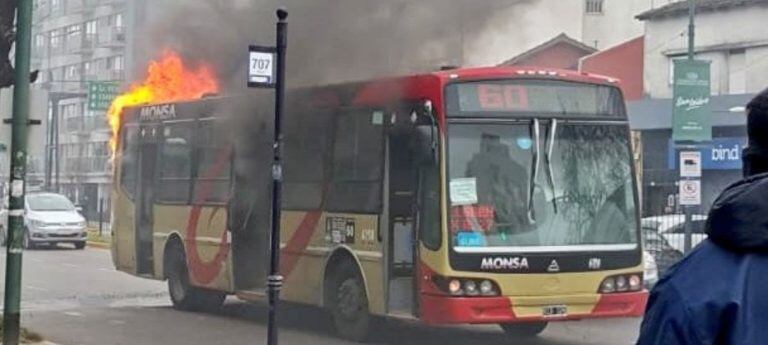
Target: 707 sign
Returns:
[[261, 67]]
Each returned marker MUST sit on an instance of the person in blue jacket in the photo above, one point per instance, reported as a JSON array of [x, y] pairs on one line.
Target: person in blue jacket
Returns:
[[718, 294]]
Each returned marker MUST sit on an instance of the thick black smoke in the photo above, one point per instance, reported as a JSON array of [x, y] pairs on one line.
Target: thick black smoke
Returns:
[[329, 40]]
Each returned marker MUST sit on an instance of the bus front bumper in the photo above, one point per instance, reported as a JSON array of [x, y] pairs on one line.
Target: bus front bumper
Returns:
[[437, 309]]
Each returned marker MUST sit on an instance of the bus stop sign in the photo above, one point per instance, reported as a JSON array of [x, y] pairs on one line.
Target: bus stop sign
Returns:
[[262, 69]]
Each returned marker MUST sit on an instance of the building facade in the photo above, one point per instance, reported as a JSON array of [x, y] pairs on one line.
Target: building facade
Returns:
[[730, 35], [76, 42]]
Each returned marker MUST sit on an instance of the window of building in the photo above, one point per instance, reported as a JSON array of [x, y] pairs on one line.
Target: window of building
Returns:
[[56, 38], [72, 72], [593, 7], [91, 28], [118, 21], [175, 165], [737, 71], [357, 163], [115, 63], [39, 41], [56, 4], [214, 167]]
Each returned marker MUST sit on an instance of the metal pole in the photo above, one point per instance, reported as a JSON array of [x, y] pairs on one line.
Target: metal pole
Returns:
[[691, 28], [101, 216], [20, 123], [275, 280], [691, 52], [56, 147]]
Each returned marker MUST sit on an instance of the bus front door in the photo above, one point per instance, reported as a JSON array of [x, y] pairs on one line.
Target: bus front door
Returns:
[[402, 180], [145, 198]]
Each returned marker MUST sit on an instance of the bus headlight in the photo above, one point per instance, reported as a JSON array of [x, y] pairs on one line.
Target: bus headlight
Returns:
[[622, 283], [454, 287], [470, 288], [608, 285], [486, 288]]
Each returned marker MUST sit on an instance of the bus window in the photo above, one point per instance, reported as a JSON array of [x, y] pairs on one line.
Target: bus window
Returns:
[[357, 163], [306, 159], [214, 168], [175, 163], [128, 161]]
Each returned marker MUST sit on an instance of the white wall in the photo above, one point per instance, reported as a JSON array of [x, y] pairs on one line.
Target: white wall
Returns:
[[37, 138], [743, 26], [617, 24]]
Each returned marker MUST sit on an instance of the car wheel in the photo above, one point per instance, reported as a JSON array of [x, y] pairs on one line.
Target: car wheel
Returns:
[[349, 306], [523, 330], [184, 296], [80, 245]]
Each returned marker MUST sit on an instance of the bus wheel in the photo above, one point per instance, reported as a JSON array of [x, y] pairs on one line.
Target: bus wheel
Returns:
[[350, 305], [185, 296], [80, 245], [182, 293], [527, 329]]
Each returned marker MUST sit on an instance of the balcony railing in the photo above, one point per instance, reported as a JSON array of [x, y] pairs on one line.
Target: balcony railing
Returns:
[[112, 37]]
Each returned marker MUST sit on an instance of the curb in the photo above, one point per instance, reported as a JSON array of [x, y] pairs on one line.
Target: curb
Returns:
[[99, 245]]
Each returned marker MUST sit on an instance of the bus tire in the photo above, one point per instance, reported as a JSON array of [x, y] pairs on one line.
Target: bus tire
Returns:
[[523, 330], [181, 291], [184, 296], [349, 304]]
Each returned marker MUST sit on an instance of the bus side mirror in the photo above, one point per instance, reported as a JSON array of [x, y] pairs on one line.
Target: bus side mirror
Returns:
[[425, 145]]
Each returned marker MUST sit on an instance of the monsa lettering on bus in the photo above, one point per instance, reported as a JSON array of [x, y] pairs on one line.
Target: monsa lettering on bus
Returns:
[[500, 263], [158, 112]]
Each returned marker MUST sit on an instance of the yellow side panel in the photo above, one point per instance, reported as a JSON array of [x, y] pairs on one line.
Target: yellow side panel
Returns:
[[208, 257], [306, 252], [124, 232]]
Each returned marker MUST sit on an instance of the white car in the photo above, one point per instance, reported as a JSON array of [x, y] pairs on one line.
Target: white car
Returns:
[[51, 219], [672, 227]]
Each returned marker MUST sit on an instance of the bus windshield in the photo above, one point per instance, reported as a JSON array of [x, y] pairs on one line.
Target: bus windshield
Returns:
[[582, 195]]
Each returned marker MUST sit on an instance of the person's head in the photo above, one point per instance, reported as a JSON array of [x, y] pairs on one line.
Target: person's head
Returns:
[[756, 154]]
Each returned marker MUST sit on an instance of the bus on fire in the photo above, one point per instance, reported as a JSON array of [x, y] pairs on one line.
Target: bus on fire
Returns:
[[467, 196]]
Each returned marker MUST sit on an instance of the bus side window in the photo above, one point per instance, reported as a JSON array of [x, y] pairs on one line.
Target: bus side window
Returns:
[[175, 173], [357, 163], [430, 231], [214, 164], [128, 160], [306, 158]]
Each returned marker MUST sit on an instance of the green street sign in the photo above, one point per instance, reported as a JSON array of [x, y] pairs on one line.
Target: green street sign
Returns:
[[692, 113], [101, 94]]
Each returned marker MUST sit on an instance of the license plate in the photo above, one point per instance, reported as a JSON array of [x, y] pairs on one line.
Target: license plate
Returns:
[[554, 311]]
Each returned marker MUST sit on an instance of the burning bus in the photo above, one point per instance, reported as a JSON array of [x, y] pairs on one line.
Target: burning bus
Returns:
[[468, 196]]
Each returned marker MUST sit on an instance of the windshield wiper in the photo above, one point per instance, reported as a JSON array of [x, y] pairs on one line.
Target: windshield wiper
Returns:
[[534, 170], [548, 161]]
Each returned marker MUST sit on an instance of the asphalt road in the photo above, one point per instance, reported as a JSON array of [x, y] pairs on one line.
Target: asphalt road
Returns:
[[76, 298]]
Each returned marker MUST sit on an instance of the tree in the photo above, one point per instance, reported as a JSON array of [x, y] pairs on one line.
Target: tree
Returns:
[[7, 39]]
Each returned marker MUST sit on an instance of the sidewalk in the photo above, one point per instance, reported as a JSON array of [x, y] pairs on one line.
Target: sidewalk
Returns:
[[95, 240]]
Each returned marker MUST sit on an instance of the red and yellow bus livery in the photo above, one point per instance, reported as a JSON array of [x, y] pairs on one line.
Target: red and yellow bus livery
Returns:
[[467, 196]]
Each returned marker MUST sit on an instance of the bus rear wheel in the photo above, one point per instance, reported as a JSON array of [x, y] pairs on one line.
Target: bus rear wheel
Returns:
[[523, 330], [184, 296], [349, 305]]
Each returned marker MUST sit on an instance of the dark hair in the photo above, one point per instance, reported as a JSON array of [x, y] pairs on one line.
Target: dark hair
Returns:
[[756, 155], [757, 120]]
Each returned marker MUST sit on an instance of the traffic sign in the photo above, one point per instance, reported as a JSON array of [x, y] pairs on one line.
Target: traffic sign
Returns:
[[262, 68], [690, 192], [690, 164], [101, 94]]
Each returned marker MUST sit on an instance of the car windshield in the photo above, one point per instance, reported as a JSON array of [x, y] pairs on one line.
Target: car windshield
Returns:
[[49, 202], [581, 195]]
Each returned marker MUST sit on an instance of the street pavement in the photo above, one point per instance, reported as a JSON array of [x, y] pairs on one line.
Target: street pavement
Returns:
[[76, 298]]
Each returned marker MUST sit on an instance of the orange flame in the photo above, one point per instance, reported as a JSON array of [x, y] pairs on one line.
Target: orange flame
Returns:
[[168, 80]]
